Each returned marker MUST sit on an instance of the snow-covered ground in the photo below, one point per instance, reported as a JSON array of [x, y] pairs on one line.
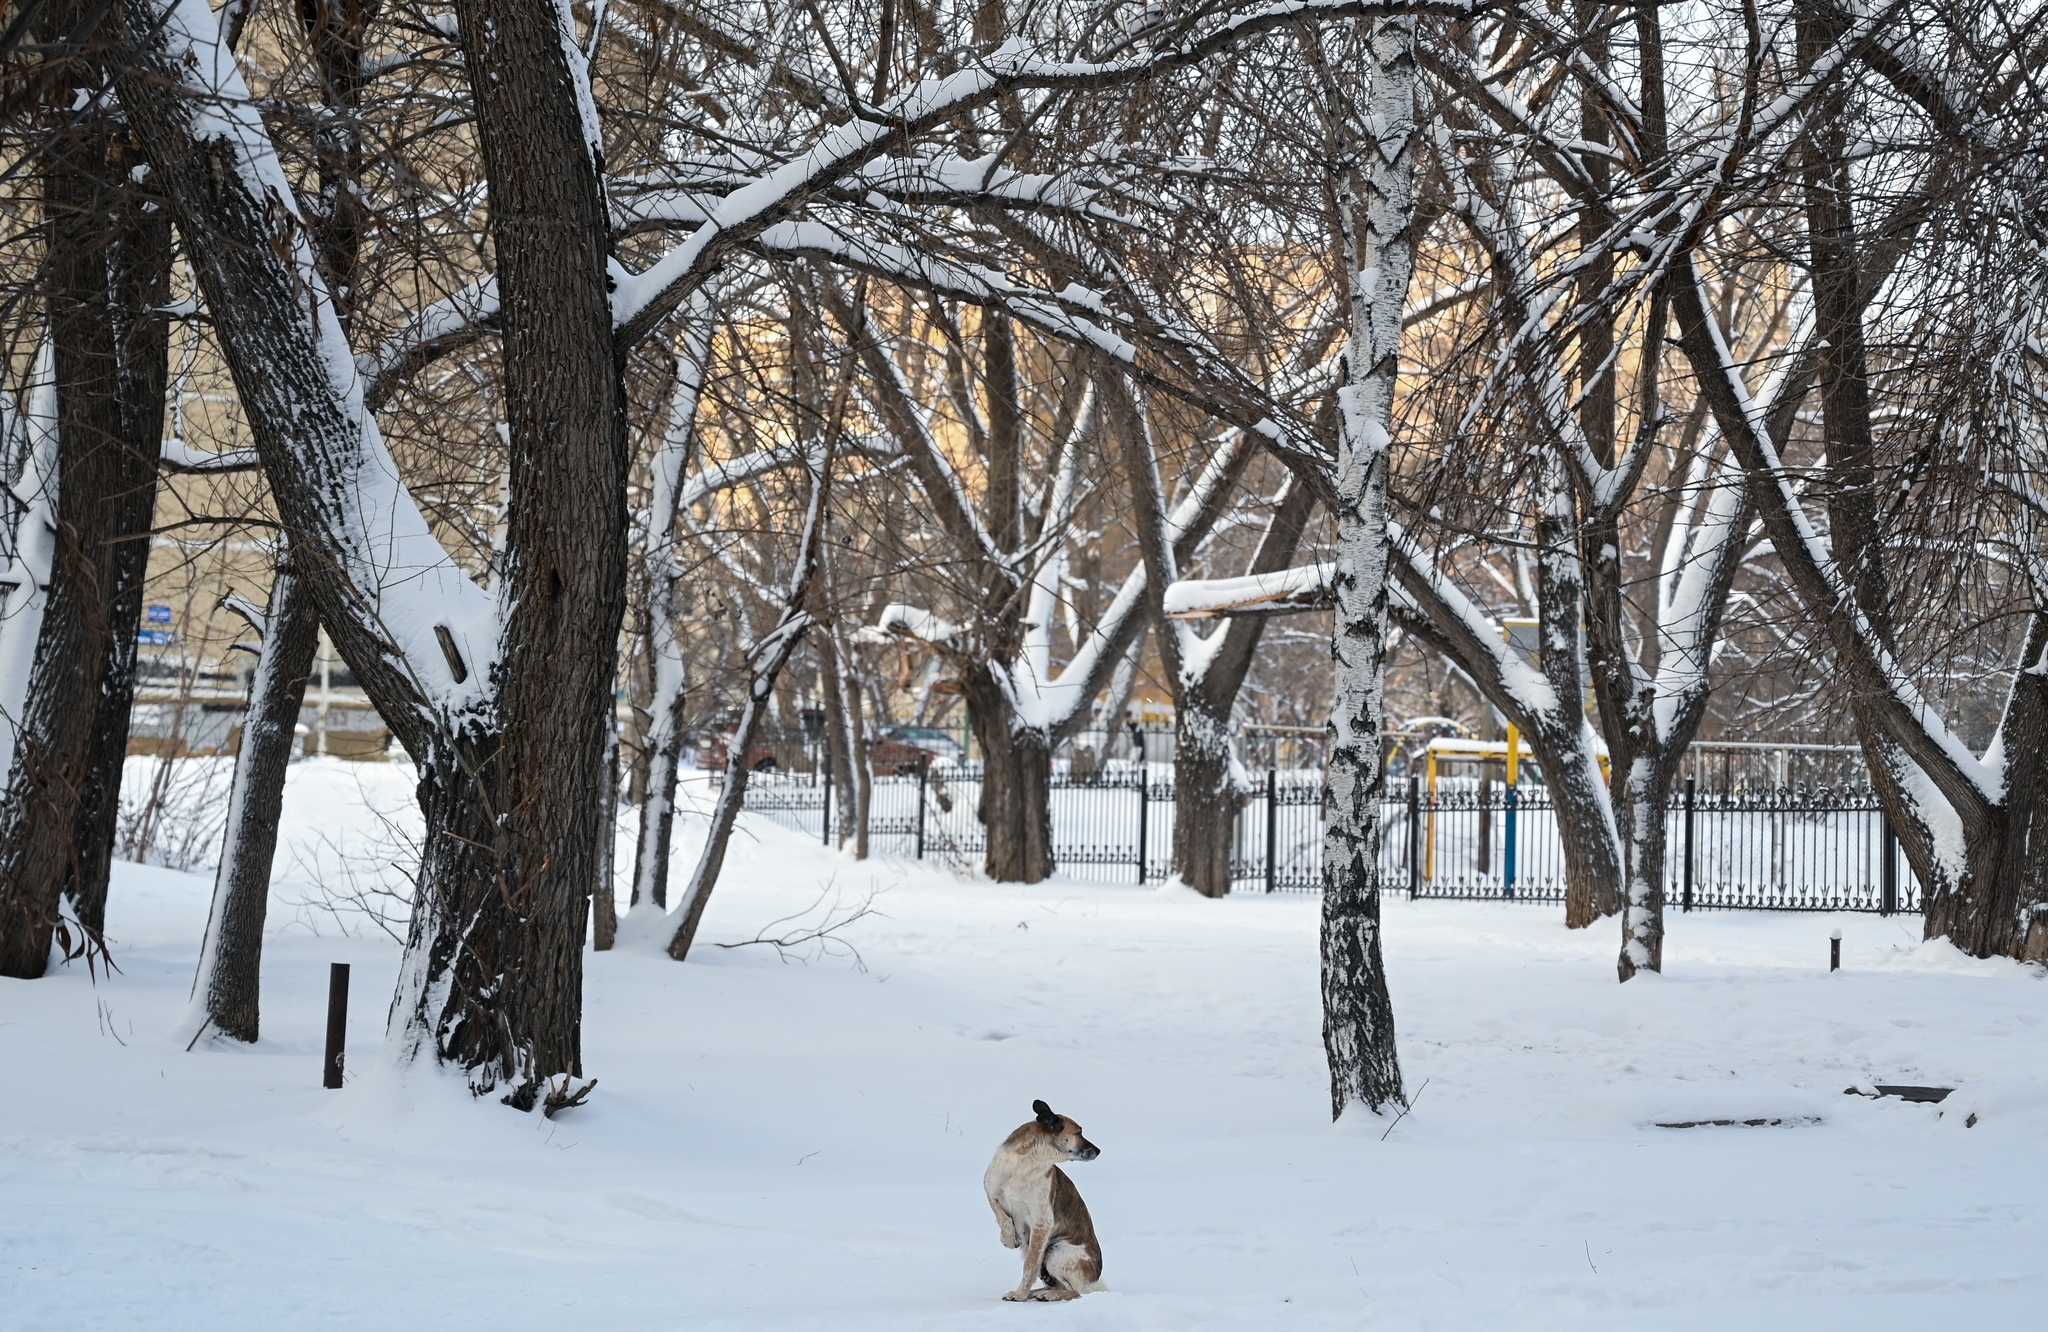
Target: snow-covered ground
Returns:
[[775, 1145]]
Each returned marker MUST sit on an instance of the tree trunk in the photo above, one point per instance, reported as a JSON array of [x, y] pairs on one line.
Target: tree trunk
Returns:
[[859, 749], [664, 753], [1997, 905], [1646, 796], [1205, 791], [1593, 860], [657, 764], [770, 656], [838, 741], [604, 902], [1205, 798], [1377, 202], [227, 988], [1559, 736], [504, 706], [1016, 784], [777, 649], [229, 982], [503, 935], [108, 276]]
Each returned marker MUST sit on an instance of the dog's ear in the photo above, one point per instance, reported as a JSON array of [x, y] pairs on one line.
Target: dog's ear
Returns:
[[1046, 1118]]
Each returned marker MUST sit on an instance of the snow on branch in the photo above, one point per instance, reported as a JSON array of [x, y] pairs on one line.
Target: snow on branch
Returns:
[[1076, 315], [643, 300], [179, 456], [1428, 592], [1913, 721], [447, 322], [1300, 589], [900, 621], [300, 385]]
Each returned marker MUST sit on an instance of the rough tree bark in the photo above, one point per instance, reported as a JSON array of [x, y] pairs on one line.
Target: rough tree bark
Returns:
[[1203, 675], [1205, 793], [770, 655], [504, 707], [1016, 790], [1016, 782], [108, 276], [228, 987], [839, 739], [521, 822]]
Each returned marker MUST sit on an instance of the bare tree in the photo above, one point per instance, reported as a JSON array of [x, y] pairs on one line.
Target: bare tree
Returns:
[[105, 280]]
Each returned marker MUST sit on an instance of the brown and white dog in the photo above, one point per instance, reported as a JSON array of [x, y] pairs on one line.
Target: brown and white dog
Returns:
[[1039, 1210]]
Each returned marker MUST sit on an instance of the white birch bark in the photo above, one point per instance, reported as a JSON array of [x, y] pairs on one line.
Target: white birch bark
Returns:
[[31, 438], [664, 577], [1377, 206]]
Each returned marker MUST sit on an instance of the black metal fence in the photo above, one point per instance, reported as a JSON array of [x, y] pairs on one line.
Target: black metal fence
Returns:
[[1810, 849]]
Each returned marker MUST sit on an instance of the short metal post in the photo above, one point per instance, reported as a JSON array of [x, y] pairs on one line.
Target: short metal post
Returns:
[[826, 836], [1688, 843], [923, 771], [1272, 822], [1888, 867], [1835, 951], [337, 1024], [1144, 801], [1414, 836], [1507, 859]]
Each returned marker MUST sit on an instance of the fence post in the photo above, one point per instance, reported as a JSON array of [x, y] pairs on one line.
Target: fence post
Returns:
[[1272, 822], [1144, 800], [1688, 842], [923, 771], [826, 836], [1414, 836], [337, 1024], [1507, 859], [1888, 869]]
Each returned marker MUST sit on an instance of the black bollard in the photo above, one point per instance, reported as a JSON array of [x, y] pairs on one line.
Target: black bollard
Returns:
[[1835, 951], [337, 1024]]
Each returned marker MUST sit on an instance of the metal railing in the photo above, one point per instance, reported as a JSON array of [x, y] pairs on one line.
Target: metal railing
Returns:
[[1807, 849]]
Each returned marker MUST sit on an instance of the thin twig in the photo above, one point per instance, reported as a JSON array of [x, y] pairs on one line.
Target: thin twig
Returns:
[[825, 934], [1406, 1108]]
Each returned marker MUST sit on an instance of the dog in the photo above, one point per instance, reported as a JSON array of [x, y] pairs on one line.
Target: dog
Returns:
[[1039, 1210]]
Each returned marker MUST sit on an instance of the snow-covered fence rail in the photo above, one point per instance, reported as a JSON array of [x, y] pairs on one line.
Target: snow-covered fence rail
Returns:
[[1809, 849]]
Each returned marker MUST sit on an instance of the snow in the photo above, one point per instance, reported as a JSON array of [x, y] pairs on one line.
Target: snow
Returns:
[[800, 1146], [915, 623], [183, 456], [390, 556], [1193, 597]]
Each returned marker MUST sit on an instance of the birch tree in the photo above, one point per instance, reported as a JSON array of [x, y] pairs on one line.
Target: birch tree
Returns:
[[1374, 131]]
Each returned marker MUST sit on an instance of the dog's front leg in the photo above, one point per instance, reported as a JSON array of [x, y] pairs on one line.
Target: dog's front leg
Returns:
[[1035, 1239], [1005, 1227]]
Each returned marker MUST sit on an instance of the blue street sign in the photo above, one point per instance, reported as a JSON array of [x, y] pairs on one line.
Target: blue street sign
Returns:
[[156, 638], [157, 614]]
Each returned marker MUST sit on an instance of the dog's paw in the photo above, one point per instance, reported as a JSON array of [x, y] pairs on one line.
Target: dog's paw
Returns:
[[1016, 1296], [1011, 1239], [1049, 1293]]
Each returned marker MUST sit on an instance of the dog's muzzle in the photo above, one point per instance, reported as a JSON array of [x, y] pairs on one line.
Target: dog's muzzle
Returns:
[[1089, 1151]]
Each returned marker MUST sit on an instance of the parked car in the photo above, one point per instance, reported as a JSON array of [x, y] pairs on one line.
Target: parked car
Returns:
[[776, 749], [902, 748], [712, 750]]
